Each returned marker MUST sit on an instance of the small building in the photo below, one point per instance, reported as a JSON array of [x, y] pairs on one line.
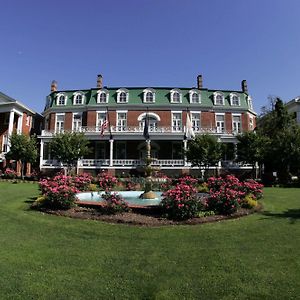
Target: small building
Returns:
[[113, 120], [15, 117]]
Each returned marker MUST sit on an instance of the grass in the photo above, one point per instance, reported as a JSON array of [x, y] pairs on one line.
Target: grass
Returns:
[[49, 257]]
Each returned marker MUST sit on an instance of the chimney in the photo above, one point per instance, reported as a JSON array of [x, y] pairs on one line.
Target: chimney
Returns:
[[244, 86], [199, 82], [53, 86], [99, 81]]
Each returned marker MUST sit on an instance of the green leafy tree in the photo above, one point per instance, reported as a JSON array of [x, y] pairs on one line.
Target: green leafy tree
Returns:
[[204, 151], [68, 148], [251, 148], [23, 149], [283, 150]]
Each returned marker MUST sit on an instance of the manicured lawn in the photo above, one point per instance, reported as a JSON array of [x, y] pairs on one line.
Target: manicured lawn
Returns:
[[50, 257]]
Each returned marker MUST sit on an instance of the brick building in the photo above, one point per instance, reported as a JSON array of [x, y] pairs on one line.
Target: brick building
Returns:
[[15, 117], [121, 145]]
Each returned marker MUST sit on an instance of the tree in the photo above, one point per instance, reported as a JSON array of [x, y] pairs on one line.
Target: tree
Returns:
[[204, 151], [23, 149], [283, 150], [251, 148], [68, 148]]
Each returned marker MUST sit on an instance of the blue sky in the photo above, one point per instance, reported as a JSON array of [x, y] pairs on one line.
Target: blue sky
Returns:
[[149, 43]]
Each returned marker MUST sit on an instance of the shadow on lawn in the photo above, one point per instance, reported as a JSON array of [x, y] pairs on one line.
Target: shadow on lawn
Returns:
[[30, 200], [292, 214]]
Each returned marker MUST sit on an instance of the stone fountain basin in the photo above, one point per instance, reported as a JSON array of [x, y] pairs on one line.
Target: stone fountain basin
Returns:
[[131, 197]]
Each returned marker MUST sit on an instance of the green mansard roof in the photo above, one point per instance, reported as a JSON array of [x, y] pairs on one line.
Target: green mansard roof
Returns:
[[162, 99]]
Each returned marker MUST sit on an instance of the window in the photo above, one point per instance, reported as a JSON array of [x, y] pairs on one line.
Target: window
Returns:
[[59, 125], [176, 121], [77, 121], [101, 118], [251, 123], [195, 119], [149, 96], [152, 124], [122, 96], [102, 96], [61, 99], [236, 124], [220, 123], [234, 99], [78, 99], [250, 104], [121, 121], [195, 96], [28, 121], [175, 96], [4, 143], [218, 98]]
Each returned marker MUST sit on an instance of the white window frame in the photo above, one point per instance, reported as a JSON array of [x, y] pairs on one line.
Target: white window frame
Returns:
[[4, 143], [176, 127], [99, 121], [82, 98], [191, 93], [218, 127], [146, 91], [121, 127], [216, 94], [78, 128], [196, 127], [174, 91], [65, 99], [250, 103], [231, 99], [251, 122], [239, 130], [119, 92], [60, 129], [101, 92]]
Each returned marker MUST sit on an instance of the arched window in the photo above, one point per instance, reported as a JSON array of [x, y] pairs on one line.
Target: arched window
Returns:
[[195, 98], [78, 99], [122, 96], [175, 96], [218, 98], [102, 96], [61, 99], [234, 100], [153, 120], [149, 96]]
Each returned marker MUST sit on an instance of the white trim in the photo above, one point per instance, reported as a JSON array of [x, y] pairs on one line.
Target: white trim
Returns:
[[148, 90], [73, 114], [97, 116], [56, 115], [151, 114], [122, 90], [172, 92], [122, 111], [231, 100], [194, 91], [82, 98], [215, 98], [172, 119], [102, 91], [58, 96]]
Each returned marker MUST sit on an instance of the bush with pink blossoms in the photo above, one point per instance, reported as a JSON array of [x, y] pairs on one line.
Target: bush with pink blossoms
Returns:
[[59, 192], [181, 202], [10, 174], [83, 181], [226, 194], [114, 203], [107, 181], [187, 179], [252, 187]]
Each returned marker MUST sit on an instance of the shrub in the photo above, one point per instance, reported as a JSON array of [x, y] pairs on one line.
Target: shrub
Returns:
[[252, 187], [83, 181], [106, 181], [59, 192], [92, 187], [249, 202], [10, 173], [114, 203], [181, 202], [187, 179]]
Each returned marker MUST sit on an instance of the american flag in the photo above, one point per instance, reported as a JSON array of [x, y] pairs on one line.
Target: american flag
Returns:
[[103, 127]]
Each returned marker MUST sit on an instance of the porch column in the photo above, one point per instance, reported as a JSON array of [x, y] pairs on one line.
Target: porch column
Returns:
[[235, 150], [19, 124], [184, 152], [111, 151], [41, 153], [10, 128]]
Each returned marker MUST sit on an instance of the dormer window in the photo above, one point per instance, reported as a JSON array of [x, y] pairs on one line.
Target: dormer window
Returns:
[[149, 96], [250, 104], [234, 100], [218, 98], [61, 99], [175, 96], [78, 98], [195, 96], [122, 96], [102, 96]]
